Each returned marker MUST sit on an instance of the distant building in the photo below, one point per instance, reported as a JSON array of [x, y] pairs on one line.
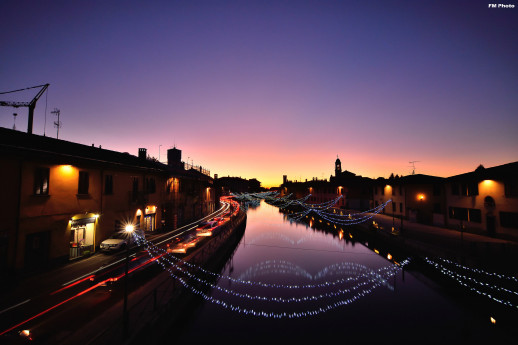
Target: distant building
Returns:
[[230, 184], [60, 199], [418, 198], [356, 191], [484, 201]]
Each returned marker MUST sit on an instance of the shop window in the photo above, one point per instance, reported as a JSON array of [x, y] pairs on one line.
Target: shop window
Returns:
[[84, 181], [41, 181], [108, 184], [509, 219]]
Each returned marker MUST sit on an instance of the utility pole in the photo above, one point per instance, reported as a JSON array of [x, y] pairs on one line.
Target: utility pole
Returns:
[[57, 123]]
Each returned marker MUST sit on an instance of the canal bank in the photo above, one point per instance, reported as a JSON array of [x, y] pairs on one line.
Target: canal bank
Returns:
[[175, 304], [438, 257]]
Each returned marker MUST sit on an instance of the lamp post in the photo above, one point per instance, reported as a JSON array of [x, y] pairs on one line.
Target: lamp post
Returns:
[[129, 231]]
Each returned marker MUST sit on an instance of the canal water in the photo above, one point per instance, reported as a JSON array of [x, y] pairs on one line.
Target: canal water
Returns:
[[288, 283]]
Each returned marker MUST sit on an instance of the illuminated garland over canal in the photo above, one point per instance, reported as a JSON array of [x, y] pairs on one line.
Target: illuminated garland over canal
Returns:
[[484, 287], [373, 279], [474, 284]]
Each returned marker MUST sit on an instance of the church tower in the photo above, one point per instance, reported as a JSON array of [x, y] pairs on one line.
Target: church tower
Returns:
[[338, 166]]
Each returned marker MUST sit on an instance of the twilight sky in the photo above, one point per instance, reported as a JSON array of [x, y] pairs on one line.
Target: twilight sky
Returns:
[[266, 88]]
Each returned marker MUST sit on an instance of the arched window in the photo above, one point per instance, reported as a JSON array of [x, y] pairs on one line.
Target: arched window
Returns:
[[489, 202]]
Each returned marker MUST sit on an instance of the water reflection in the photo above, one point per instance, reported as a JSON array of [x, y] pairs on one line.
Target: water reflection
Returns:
[[287, 283]]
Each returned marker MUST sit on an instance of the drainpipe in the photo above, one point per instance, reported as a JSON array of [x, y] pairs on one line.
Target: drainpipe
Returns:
[[18, 214]]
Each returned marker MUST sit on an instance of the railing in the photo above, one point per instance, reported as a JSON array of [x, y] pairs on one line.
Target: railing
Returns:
[[199, 168]]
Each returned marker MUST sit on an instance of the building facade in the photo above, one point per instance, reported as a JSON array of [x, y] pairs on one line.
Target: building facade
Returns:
[[484, 201], [62, 199]]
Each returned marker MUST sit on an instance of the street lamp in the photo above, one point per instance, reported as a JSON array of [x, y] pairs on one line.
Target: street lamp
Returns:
[[129, 228]]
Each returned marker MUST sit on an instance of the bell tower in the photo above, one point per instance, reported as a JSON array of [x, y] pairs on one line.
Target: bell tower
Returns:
[[338, 166]]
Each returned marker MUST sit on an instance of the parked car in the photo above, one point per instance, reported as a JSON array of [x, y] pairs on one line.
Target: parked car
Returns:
[[119, 241]]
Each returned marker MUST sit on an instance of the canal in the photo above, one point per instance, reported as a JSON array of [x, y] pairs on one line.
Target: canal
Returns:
[[288, 283]]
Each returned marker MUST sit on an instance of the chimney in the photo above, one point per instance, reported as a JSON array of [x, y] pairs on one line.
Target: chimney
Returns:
[[142, 153], [174, 157]]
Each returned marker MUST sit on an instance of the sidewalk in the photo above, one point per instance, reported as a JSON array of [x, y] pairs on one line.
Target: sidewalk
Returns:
[[429, 240]]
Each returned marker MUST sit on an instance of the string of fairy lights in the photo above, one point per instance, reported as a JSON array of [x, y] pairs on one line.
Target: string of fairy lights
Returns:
[[178, 262], [350, 281], [463, 275], [476, 285], [366, 281]]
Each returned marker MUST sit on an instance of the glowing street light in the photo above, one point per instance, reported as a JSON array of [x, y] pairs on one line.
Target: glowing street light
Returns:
[[129, 228]]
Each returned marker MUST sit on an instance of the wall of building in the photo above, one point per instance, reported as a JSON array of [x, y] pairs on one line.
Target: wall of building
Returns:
[[502, 203]]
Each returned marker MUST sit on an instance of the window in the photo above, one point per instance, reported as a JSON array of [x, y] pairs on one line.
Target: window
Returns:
[[150, 185], [108, 184], [400, 190], [509, 219], [393, 190], [474, 215], [436, 189], [469, 189], [436, 207], [134, 191], [511, 189], [401, 207], [41, 181], [382, 191], [393, 207], [83, 182], [467, 214], [454, 188]]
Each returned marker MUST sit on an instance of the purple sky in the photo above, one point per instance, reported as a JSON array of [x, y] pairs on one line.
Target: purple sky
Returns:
[[266, 88]]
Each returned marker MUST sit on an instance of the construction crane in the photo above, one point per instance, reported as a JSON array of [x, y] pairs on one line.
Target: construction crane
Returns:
[[413, 166], [31, 105]]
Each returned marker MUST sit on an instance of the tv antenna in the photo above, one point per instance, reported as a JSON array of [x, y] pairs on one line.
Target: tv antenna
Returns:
[[57, 123], [413, 166], [14, 123]]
